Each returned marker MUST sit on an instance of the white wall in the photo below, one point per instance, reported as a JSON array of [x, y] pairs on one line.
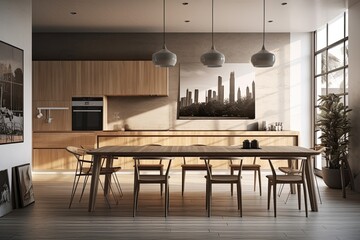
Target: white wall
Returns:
[[300, 86], [15, 29], [354, 86]]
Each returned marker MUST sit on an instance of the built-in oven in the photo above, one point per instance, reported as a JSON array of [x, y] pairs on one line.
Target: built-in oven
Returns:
[[87, 113]]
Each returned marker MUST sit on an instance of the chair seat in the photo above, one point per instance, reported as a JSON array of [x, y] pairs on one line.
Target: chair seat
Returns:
[[194, 166], [289, 170], [224, 178], [245, 166], [153, 178], [286, 178], [156, 166], [109, 170]]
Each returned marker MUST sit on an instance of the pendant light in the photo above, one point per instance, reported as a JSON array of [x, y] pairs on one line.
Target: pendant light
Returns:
[[164, 57], [212, 58], [263, 58]]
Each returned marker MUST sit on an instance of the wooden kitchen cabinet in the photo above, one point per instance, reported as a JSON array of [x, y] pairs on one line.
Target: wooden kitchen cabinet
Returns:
[[89, 79], [123, 78], [135, 78], [60, 80], [154, 80], [52, 80]]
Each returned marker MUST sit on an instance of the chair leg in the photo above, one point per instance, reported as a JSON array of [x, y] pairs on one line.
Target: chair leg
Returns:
[[166, 198], [118, 186], [281, 189], [232, 185], [299, 196], [161, 184], [274, 195], [182, 181], [106, 197], [75, 184], [305, 200], [239, 196], [206, 194], [83, 188], [259, 173], [254, 180], [209, 199], [269, 194], [134, 200]]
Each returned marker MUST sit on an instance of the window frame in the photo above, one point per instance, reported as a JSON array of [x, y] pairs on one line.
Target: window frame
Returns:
[[325, 75]]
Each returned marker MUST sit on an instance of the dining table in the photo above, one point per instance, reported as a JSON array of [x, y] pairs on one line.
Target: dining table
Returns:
[[283, 152]]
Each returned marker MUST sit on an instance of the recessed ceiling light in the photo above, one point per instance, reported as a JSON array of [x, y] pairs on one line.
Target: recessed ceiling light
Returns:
[[270, 21], [185, 3], [284, 3], [73, 13], [187, 21]]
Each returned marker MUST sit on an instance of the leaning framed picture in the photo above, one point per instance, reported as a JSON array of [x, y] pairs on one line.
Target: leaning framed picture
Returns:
[[227, 92], [11, 94], [5, 197], [24, 184]]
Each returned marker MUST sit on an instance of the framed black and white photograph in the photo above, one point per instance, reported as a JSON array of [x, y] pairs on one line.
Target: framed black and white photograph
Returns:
[[226, 92], [5, 197], [25, 186], [11, 94]]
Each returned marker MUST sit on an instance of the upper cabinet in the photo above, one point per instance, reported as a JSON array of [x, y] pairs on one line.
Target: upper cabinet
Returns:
[[154, 80], [53, 80], [60, 80], [135, 78]]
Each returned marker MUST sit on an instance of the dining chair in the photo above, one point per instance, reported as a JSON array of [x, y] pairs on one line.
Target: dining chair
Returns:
[[246, 167], [158, 167], [293, 168], [275, 179], [191, 167], [160, 178], [84, 168], [221, 179]]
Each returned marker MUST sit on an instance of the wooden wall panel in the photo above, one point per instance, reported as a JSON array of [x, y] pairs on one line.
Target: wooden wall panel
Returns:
[[61, 118]]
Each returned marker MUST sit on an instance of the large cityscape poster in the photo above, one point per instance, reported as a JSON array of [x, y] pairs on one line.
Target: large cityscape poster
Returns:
[[227, 92]]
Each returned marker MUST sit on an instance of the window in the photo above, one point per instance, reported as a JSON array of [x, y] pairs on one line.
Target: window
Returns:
[[330, 66]]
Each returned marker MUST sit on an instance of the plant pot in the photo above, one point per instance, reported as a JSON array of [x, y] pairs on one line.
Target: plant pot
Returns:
[[332, 177]]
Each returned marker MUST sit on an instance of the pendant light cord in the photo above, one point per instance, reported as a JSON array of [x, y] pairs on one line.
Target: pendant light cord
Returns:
[[212, 23], [264, 26], [164, 22]]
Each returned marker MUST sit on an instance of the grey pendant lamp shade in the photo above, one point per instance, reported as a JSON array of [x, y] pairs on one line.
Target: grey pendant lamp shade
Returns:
[[263, 58], [164, 57], [212, 58]]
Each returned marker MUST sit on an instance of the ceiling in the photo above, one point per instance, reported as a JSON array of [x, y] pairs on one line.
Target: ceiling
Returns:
[[146, 15]]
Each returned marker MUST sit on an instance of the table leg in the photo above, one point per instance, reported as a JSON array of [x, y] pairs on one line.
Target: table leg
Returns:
[[94, 182], [311, 184], [107, 184]]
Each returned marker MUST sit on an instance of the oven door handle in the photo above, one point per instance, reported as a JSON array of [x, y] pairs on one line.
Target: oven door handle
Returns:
[[88, 110]]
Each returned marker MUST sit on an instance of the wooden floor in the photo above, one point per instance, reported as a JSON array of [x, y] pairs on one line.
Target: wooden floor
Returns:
[[50, 218]]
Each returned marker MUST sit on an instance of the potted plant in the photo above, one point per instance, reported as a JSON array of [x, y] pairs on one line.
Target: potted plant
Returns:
[[334, 125]]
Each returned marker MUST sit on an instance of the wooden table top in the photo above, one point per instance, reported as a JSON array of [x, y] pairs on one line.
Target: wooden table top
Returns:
[[202, 151]]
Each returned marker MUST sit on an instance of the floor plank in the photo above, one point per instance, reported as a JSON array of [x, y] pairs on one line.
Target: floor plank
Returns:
[[50, 218]]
